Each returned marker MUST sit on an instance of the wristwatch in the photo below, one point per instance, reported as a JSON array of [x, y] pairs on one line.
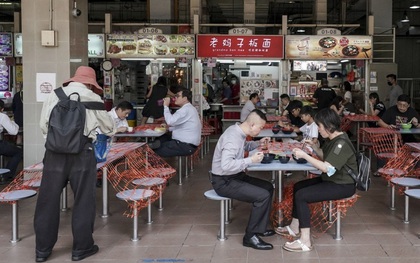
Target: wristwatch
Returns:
[[106, 65]]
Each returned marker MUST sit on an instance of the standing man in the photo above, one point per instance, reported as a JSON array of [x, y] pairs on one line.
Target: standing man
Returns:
[[396, 90], [119, 114], [8, 149], [79, 169], [185, 125], [249, 106], [230, 180], [324, 95]]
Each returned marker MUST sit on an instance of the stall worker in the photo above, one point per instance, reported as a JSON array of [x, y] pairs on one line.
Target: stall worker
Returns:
[[226, 93], [235, 91], [185, 125], [324, 95], [249, 105]]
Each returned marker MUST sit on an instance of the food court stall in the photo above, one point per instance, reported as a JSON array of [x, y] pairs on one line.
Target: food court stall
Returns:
[[138, 60], [253, 60], [336, 58]]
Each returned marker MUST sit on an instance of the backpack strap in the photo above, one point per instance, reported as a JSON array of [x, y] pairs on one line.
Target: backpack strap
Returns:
[[61, 94], [94, 105], [91, 105]]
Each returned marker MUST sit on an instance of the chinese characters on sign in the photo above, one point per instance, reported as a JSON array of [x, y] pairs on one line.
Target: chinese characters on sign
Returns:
[[240, 46]]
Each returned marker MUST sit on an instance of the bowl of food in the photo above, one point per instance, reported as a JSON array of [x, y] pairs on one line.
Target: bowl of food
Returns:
[[299, 160], [287, 130], [352, 113], [275, 129], [284, 159], [268, 157], [406, 126]]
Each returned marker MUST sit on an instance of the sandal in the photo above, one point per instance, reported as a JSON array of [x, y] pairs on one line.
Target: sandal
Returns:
[[286, 231], [297, 246]]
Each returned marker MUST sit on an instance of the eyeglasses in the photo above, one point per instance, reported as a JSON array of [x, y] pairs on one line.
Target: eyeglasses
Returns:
[[403, 105]]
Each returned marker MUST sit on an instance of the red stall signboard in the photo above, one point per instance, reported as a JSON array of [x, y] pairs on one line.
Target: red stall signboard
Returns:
[[254, 46]]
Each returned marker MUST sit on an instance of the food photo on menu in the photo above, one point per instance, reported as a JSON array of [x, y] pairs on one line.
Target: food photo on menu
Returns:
[[141, 45], [325, 47]]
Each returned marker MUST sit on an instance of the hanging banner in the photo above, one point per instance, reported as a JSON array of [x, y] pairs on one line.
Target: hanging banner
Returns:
[[328, 47], [255, 46], [150, 46]]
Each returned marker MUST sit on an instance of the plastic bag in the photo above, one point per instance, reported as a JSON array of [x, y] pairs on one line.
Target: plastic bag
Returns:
[[102, 145]]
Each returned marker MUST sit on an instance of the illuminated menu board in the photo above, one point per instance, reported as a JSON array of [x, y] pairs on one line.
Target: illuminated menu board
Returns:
[[150, 46], [6, 45]]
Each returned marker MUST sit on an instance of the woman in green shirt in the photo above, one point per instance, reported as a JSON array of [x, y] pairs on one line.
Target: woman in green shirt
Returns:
[[333, 184]]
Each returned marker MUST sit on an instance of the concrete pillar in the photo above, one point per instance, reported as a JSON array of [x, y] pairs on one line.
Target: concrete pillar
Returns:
[[162, 11], [249, 11], [320, 12], [71, 46], [382, 12]]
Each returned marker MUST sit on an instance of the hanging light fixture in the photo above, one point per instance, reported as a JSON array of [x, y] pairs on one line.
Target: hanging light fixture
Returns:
[[415, 4], [405, 17]]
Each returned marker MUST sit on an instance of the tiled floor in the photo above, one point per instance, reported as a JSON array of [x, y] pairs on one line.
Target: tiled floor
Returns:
[[185, 231]]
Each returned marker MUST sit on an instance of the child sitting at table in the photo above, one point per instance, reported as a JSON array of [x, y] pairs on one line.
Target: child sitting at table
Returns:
[[310, 129]]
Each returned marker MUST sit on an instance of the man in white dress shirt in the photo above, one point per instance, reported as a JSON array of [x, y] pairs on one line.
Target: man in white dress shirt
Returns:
[[8, 149], [185, 125], [119, 114], [249, 106]]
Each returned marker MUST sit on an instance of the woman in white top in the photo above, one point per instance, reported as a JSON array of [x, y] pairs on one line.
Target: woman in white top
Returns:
[[348, 97]]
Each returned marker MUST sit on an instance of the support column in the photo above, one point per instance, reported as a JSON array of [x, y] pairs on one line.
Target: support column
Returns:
[[382, 11], [71, 46], [160, 12], [249, 13]]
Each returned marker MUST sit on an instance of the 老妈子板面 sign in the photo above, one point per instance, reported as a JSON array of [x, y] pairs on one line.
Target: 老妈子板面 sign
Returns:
[[233, 46], [328, 47]]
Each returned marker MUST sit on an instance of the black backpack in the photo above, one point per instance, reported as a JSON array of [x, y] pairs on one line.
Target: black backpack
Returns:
[[67, 123], [362, 176]]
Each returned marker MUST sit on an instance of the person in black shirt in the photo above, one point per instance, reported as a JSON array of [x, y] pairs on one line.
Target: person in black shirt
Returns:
[[294, 108], [324, 95], [401, 113]]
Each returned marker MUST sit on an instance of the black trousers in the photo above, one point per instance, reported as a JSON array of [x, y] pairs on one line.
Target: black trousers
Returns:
[[248, 189], [59, 169], [316, 190], [170, 147]]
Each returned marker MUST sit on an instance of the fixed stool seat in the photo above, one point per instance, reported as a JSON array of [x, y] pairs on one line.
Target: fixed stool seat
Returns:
[[406, 182], [224, 211], [150, 182], [13, 197], [135, 195]]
